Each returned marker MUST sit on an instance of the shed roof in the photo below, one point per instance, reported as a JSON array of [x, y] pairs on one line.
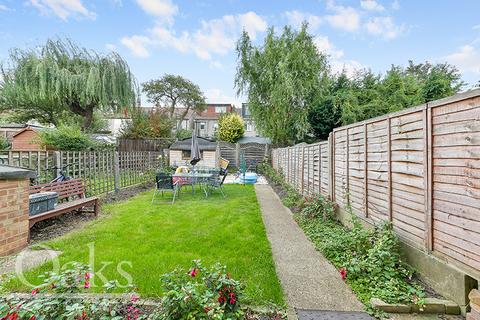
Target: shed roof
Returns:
[[29, 128], [186, 144]]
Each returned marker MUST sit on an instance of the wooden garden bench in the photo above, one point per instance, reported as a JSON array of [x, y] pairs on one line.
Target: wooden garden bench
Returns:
[[71, 196]]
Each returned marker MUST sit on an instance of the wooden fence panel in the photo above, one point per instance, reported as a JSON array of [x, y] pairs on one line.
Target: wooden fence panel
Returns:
[[456, 181], [418, 168]]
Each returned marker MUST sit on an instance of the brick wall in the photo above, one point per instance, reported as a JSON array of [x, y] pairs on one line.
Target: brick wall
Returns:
[[13, 215]]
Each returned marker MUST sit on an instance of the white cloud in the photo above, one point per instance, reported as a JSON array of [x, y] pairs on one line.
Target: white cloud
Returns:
[[395, 5], [137, 45], [345, 18], [216, 65], [63, 8], [214, 37], [371, 5], [295, 18], [163, 9], [111, 47], [337, 64], [324, 45], [385, 27], [5, 8], [466, 59], [215, 95], [350, 67]]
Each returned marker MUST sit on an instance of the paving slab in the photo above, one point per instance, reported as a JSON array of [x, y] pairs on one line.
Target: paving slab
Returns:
[[309, 281], [332, 315]]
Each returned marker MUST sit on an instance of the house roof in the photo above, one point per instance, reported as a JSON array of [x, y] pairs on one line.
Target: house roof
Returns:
[[186, 144], [18, 125], [29, 128]]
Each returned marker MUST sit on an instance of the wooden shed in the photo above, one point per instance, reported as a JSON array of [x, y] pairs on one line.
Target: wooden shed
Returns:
[[180, 152], [27, 139]]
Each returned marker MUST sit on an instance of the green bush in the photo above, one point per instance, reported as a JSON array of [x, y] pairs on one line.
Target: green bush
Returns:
[[4, 145], [152, 125], [66, 138], [230, 127], [183, 133], [369, 259]]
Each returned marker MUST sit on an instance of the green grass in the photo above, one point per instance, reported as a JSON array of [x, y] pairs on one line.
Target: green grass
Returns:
[[158, 238]]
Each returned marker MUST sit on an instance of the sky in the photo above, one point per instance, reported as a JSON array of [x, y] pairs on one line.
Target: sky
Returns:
[[196, 39]]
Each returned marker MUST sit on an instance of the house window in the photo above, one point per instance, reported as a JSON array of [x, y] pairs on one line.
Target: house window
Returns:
[[186, 154], [202, 125], [220, 109]]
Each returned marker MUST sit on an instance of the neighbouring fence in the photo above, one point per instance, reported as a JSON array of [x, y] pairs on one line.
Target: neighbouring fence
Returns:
[[102, 171], [143, 144], [254, 152], [418, 168]]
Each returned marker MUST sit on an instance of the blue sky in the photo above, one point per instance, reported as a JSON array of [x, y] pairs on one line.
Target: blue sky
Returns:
[[196, 39]]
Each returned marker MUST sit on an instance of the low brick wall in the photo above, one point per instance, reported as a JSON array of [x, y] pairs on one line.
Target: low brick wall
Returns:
[[13, 215]]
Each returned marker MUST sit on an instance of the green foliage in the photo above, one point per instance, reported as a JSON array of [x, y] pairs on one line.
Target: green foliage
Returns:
[[201, 293], [62, 78], [153, 125], [369, 258], [66, 138], [283, 80], [183, 133], [230, 127], [368, 95], [172, 92], [4, 145]]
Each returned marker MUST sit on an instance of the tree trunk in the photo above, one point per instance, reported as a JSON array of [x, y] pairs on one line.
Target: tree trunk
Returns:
[[87, 121]]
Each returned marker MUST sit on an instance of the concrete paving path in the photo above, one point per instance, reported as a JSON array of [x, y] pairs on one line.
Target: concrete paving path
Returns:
[[309, 281]]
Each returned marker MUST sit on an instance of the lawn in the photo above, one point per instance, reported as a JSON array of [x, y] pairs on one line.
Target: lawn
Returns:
[[155, 239]]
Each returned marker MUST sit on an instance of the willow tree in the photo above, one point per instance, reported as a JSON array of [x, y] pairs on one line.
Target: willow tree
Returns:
[[60, 77], [282, 80]]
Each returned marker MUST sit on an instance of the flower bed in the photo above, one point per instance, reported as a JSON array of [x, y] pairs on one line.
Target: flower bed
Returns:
[[197, 293], [369, 260]]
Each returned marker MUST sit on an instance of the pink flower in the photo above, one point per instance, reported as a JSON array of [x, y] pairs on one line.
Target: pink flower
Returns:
[[34, 291], [135, 298], [193, 272], [343, 273], [86, 285], [88, 276]]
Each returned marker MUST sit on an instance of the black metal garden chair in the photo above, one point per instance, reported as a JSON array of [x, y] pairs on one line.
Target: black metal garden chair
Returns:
[[164, 183]]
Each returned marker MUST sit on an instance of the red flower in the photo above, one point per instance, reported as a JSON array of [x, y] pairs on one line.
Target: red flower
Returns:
[[221, 299], [33, 318], [88, 275], [86, 285], [207, 309], [34, 291], [232, 300], [343, 273], [193, 272]]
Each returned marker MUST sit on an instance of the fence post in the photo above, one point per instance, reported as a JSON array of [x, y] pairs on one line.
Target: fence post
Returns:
[[302, 177], [331, 165], [237, 155], [365, 168], [217, 153], [389, 168], [57, 163], [116, 171]]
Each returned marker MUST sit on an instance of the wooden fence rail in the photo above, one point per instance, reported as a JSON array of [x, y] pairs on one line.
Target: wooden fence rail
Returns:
[[418, 168], [102, 171]]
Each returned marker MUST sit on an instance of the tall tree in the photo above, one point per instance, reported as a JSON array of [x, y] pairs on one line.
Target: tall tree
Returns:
[[172, 92], [282, 80], [60, 76]]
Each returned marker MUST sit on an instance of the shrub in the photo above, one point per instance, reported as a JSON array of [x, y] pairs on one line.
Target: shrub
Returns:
[[183, 133], [154, 124], [201, 293], [318, 207], [4, 145], [230, 127], [196, 293], [66, 138]]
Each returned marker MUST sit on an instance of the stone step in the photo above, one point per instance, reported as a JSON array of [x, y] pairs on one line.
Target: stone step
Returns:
[[431, 306]]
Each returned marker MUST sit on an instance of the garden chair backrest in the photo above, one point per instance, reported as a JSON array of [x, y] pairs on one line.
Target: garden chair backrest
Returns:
[[164, 181]]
